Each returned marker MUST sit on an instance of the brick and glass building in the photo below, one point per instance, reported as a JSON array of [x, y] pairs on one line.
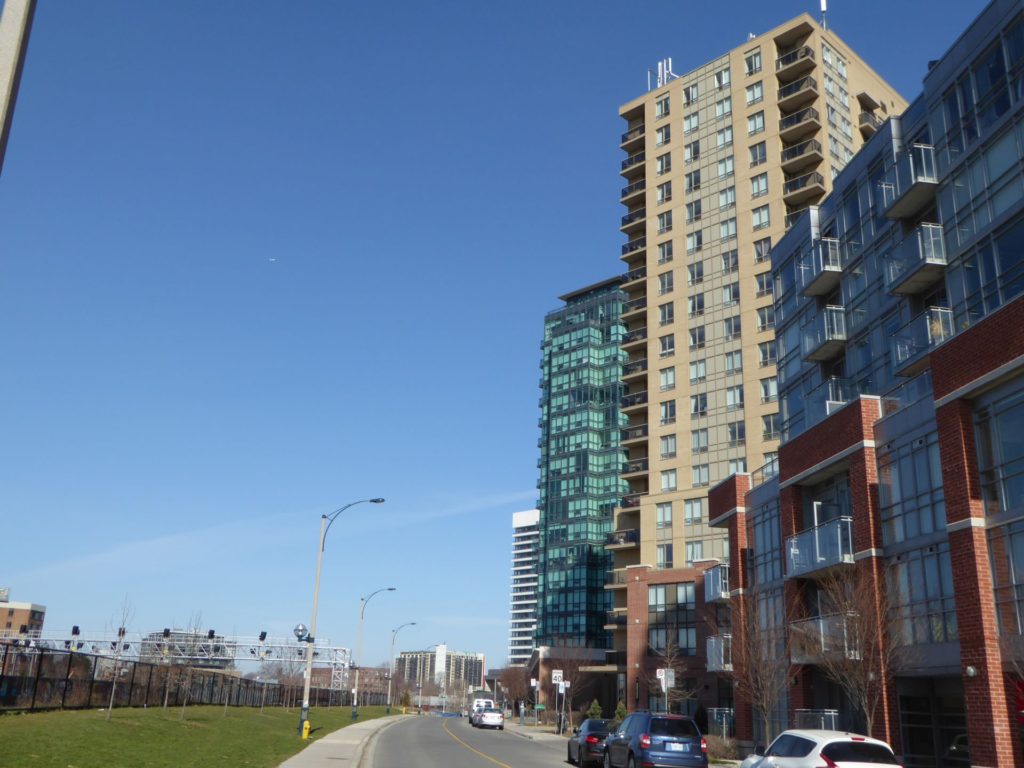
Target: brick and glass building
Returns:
[[899, 308]]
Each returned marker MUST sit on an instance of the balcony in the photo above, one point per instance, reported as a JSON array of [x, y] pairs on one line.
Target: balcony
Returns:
[[801, 155], [630, 191], [823, 546], [616, 579], [918, 263], [635, 467], [632, 434], [615, 620], [794, 63], [632, 501], [716, 583], [719, 653], [821, 269], [635, 368], [634, 338], [618, 540], [634, 245], [634, 400], [793, 216], [826, 336], [825, 719], [804, 189], [799, 124], [797, 93], [913, 343], [868, 124], [633, 138], [634, 220], [826, 398], [633, 164], [813, 640], [913, 187], [633, 306], [633, 275]]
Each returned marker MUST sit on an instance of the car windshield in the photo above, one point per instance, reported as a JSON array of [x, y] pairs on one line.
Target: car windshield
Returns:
[[859, 752], [595, 726], [490, 711], [663, 726]]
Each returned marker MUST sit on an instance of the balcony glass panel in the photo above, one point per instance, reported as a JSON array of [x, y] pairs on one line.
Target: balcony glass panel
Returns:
[[635, 433], [917, 262], [634, 245], [804, 83], [623, 538], [912, 344], [719, 653], [803, 52], [636, 186], [826, 335], [912, 185], [716, 583], [822, 546], [812, 640], [632, 160], [829, 396], [821, 269], [636, 398]]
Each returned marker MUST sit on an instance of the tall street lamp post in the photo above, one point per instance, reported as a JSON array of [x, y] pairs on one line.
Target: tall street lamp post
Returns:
[[359, 646], [310, 636], [391, 671]]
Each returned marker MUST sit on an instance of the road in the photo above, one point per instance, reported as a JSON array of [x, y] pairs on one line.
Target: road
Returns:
[[450, 742]]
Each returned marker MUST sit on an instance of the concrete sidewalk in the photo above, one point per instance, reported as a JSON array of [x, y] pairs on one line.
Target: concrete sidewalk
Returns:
[[539, 733], [346, 744]]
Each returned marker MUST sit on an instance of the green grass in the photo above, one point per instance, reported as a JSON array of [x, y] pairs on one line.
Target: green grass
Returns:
[[155, 738]]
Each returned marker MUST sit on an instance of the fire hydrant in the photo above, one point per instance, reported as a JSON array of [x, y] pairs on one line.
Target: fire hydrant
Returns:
[[305, 729]]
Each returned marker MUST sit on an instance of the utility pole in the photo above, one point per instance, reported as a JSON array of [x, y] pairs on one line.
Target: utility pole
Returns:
[[15, 25]]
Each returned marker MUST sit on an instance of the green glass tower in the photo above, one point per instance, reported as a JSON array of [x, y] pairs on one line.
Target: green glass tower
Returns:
[[580, 464]]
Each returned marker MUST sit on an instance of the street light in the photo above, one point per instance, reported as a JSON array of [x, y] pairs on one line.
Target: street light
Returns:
[[391, 672], [359, 646], [310, 636]]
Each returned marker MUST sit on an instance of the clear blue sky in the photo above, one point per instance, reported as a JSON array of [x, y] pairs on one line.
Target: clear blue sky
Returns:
[[262, 259]]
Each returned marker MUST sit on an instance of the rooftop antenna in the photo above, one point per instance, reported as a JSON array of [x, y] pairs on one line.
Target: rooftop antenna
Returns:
[[824, 8]]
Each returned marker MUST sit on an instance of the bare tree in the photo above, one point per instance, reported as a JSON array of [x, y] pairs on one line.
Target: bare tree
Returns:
[[672, 658], [515, 682], [125, 616]]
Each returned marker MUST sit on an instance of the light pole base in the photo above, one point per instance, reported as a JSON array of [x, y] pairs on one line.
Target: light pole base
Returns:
[[355, 713], [303, 720]]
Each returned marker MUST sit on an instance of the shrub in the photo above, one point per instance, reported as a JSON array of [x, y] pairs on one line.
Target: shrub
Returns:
[[723, 749], [621, 712], [595, 710]]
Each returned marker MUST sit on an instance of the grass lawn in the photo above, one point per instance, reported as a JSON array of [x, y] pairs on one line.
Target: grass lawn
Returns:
[[155, 738]]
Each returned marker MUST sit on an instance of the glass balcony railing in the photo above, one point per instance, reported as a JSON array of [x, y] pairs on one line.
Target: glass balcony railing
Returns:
[[809, 182], [633, 216], [813, 640], [764, 473], [823, 546], [636, 465], [822, 268], [868, 122], [635, 274], [616, 579], [829, 396], [632, 501], [615, 619], [826, 336], [632, 160], [790, 123], [805, 150], [639, 334], [716, 583], [802, 53], [917, 262], [634, 245], [635, 433], [637, 366], [636, 186], [636, 398], [912, 186], [719, 649], [632, 133], [912, 344], [805, 87], [626, 538]]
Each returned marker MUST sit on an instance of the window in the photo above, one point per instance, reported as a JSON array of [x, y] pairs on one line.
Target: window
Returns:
[[667, 345], [699, 404], [755, 123], [664, 222], [663, 514], [664, 555], [765, 287], [758, 154], [665, 282], [752, 62], [727, 229], [760, 217], [663, 135], [695, 273], [696, 305], [700, 474], [666, 313], [766, 318], [664, 192], [737, 431], [691, 151], [771, 426], [766, 353], [769, 389], [759, 185], [723, 107], [693, 511], [762, 250], [1001, 454], [755, 93], [737, 465], [668, 480], [691, 122], [697, 337], [733, 362], [665, 252], [731, 294], [668, 412], [734, 397], [725, 167], [690, 93], [770, 460], [692, 181], [731, 327], [723, 137], [667, 379], [668, 446], [694, 241], [693, 210], [661, 107], [722, 78], [664, 164], [698, 371], [730, 261], [699, 440], [727, 198]]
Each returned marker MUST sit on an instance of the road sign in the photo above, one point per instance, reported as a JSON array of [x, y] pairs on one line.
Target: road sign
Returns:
[[670, 678], [661, 674], [540, 707], [561, 688], [556, 675], [533, 682]]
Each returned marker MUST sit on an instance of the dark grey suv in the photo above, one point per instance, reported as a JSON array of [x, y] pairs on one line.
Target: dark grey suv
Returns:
[[654, 739]]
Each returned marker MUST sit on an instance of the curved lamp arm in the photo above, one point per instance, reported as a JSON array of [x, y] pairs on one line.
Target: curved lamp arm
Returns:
[[334, 516]]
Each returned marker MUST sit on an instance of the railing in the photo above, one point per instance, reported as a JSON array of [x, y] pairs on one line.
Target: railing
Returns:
[[636, 465], [716, 583], [797, 86], [801, 149], [632, 501], [917, 338], [632, 160], [909, 184], [791, 121], [632, 133], [907, 393], [802, 182], [634, 245], [635, 433], [719, 649], [615, 618], [636, 186], [637, 366], [825, 719], [637, 215], [925, 246], [821, 269], [721, 722], [635, 274], [637, 398], [616, 578], [869, 120], [621, 538], [812, 640], [792, 217], [635, 304], [804, 52], [764, 473], [827, 332], [636, 335], [822, 546], [829, 396]]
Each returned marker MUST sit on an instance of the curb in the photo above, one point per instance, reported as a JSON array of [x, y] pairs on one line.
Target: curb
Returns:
[[357, 759]]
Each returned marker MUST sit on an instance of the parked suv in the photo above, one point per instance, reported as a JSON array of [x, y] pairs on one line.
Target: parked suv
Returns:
[[812, 748], [656, 739]]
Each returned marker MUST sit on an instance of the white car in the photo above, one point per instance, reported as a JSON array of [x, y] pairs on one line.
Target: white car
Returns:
[[822, 749], [491, 718]]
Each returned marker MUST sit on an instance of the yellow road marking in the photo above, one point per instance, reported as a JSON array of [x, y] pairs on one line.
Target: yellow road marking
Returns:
[[474, 751]]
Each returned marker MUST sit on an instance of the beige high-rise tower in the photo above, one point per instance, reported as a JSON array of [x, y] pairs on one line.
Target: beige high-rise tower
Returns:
[[718, 162]]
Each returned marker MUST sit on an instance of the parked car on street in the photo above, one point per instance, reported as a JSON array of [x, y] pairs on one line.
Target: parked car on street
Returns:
[[492, 718], [813, 748], [656, 739], [586, 745]]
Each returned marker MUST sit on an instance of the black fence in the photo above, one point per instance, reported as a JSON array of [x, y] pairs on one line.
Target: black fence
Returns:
[[40, 678]]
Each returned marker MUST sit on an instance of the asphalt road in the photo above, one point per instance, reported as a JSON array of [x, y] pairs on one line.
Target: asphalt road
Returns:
[[450, 742]]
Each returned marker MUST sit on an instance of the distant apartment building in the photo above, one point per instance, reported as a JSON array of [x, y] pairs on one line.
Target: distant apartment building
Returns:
[[580, 464], [523, 617], [20, 619], [441, 667], [718, 163], [899, 307]]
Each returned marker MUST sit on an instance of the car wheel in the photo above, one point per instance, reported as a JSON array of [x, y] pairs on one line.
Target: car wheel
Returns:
[[631, 763], [501, 727]]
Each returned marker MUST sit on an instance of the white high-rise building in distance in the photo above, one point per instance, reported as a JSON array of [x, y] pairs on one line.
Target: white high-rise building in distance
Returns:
[[523, 620]]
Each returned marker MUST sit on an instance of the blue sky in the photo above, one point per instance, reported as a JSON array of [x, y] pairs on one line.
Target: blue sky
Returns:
[[261, 259]]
